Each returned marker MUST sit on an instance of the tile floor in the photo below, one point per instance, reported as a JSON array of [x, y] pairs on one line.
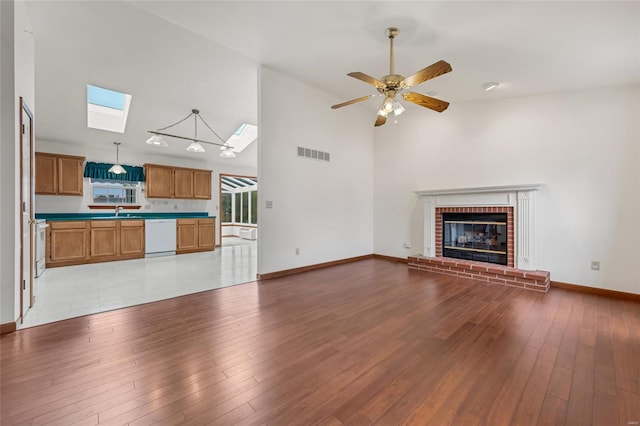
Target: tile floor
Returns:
[[73, 291]]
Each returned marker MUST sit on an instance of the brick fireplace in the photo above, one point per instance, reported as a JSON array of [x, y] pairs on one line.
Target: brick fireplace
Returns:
[[517, 201]]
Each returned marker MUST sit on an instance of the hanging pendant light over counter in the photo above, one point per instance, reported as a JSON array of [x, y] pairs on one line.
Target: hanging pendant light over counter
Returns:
[[117, 169]]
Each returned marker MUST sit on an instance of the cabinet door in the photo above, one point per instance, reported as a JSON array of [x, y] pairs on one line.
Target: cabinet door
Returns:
[[187, 237], [131, 237], [202, 184], [68, 241], [182, 183], [104, 238], [207, 234], [159, 181], [69, 176], [46, 174]]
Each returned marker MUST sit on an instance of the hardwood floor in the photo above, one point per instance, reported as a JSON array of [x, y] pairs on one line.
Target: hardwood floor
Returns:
[[364, 343]]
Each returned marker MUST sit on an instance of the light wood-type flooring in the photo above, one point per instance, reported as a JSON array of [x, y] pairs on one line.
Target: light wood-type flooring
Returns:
[[362, 343]]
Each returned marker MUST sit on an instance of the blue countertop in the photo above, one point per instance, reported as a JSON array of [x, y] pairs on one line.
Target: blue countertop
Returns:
[[132, 215]]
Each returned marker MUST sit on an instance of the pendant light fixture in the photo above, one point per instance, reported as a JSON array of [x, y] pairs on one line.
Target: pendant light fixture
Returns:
[[117, 169], [227, 152], [196, 144]]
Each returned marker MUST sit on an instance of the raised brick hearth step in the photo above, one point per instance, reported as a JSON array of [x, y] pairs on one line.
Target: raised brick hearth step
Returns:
[[496, 274]]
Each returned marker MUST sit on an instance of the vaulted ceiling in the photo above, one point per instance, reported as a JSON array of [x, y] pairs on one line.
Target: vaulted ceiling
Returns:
[[176, 55]]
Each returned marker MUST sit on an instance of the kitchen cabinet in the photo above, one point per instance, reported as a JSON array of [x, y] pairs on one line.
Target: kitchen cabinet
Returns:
[[132, 238], [202, 184], [182, 183], [177, 182], [159, 181], [68, 243], [104, 239], [195, 235], [57, 174], [93, 241]]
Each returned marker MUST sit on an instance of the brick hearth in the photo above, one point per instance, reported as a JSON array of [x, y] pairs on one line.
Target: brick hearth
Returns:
[[496, 274]]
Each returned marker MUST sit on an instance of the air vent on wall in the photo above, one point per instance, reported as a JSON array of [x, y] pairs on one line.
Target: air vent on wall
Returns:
[[313, 154]]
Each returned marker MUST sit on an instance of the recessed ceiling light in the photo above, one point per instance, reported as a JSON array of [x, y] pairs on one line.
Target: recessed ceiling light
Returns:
[[490, 85]]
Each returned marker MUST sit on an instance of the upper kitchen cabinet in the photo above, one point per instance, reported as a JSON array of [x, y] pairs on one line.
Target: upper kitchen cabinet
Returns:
[[57, 174], [177, 182], [202, 184], [182, 183], [159, 181]]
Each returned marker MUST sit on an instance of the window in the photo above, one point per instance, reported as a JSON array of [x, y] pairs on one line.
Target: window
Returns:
[[254, 207], [114, 192], [238, 207], [227, 207], [107, 109], [245, 207], [243, 137]]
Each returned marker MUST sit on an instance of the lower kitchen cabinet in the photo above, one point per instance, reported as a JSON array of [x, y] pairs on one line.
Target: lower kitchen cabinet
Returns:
[[68, 243], [195, 235], [92, 241]]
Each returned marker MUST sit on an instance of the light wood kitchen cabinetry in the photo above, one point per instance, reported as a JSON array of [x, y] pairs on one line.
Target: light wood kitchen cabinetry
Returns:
[[132, 238], [57, 174], [195, 235], [202, 184], [177, 182], [183, 183], [92, 241], [159, 181], [68, 243], [207, 234]]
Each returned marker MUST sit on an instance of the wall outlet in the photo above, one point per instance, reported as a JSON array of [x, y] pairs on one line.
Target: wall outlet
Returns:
[[268, 204], [406, 245], [595, 265], [175, 207], [297, 251]]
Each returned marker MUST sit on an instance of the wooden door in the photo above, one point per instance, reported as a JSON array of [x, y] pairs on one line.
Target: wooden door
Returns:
[[70, 175], [68, 241], [187, 237], [159, 181], [207, 234], [104, 238], [46, 178], [182, 183], [202, 184], [132, 238]]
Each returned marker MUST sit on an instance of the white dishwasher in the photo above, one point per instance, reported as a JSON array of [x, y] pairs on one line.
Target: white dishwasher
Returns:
[[159, 237]]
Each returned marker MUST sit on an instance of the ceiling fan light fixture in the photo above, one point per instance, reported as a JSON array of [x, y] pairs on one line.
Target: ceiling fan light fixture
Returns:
[[382, 112], [388, 105], [195, 147], [398, 108], [490, 85]]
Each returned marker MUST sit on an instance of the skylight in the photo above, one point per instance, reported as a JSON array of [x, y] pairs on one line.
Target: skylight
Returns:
[[107, 109], [242, 137]]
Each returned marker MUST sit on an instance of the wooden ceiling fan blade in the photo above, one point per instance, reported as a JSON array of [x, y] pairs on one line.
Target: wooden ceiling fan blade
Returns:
[[425, 101], [367, 79], [380, 120], [432, 71], [352, 101]]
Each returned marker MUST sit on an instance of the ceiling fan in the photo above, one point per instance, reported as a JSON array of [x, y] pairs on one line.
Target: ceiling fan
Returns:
[[393, 84]]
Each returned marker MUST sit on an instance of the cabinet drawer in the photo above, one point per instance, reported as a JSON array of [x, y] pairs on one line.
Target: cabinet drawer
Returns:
[[68, 224], [131, 223], [103, 223], [187, 222]]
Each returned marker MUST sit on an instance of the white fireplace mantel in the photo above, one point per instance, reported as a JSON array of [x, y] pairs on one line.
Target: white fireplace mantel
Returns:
[[520, 197]]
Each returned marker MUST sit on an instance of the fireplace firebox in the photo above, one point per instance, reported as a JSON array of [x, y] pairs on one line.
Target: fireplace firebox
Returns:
[[475, 236]]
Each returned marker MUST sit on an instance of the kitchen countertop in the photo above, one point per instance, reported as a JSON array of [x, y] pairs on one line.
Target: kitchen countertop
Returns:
[[102, 216]]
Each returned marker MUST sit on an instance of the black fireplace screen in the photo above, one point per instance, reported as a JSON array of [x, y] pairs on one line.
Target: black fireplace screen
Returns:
[[475, 236]]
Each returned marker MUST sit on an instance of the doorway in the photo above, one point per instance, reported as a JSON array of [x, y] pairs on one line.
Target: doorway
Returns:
[[238, 210]]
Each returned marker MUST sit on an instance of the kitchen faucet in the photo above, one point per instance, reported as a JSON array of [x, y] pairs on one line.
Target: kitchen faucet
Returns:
[[118, 208]]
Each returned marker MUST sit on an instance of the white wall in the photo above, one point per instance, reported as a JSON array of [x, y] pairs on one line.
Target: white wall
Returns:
[[323, 208], [17, 80], [75, 204], [584, 145]]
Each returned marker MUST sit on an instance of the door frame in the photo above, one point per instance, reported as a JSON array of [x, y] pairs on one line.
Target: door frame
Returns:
[[24, 108], [220, 197]]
